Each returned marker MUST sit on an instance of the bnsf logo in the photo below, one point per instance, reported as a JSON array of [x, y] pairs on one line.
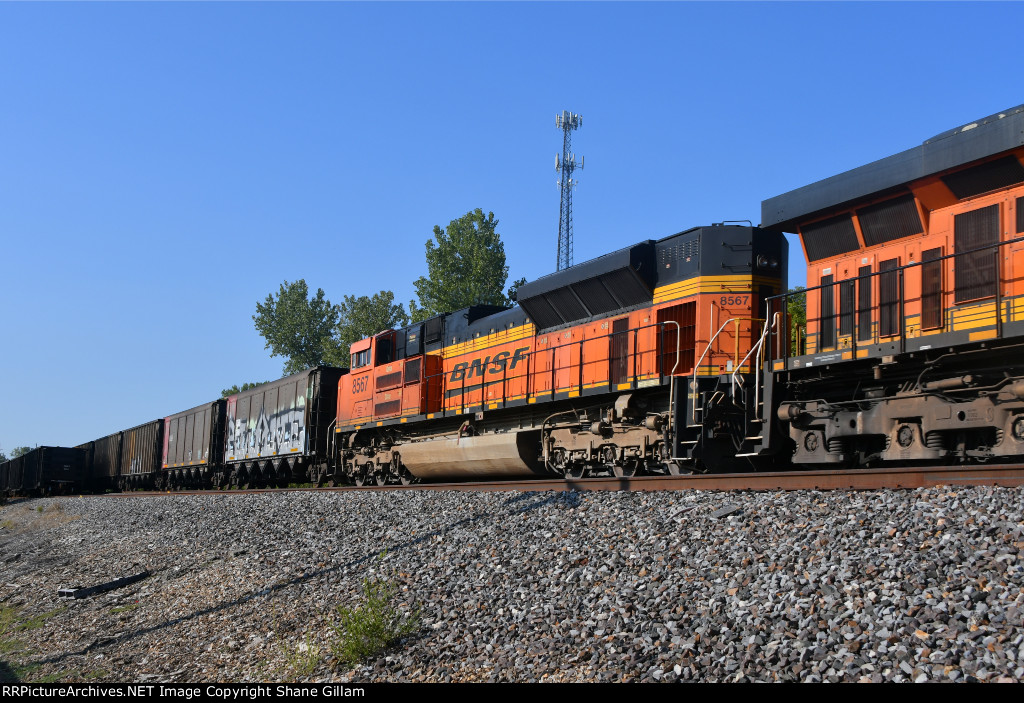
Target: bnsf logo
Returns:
[[478, 367]]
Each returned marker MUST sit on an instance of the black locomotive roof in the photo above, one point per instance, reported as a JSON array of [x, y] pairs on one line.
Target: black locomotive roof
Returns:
[[956, 147]]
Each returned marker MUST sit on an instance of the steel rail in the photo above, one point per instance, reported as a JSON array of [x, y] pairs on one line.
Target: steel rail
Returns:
[[820, 479]]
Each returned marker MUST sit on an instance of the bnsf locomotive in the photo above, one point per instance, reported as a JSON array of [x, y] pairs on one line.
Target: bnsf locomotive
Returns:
[[915, 306], [634, 362], [676, 355]]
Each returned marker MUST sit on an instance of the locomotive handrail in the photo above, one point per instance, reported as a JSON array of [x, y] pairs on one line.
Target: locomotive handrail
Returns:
[[899, 272], [756, 347], [696, 366]]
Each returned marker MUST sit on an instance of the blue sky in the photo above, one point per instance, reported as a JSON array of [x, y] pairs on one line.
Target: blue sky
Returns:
[[163, 167]]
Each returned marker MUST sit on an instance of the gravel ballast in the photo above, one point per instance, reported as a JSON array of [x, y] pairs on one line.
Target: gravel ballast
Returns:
[[920, 585]]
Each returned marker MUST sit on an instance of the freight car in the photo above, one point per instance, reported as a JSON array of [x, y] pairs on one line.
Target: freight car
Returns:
[[280, 431], [915, 307], [266, 436], [45, 471], [637, 361]]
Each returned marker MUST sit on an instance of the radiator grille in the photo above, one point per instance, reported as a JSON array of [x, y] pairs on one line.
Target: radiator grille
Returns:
[[893, 219], [981, 179], [832, 237]]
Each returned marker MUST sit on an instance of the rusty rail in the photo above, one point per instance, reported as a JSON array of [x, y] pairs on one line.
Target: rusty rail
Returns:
[[860, 479]]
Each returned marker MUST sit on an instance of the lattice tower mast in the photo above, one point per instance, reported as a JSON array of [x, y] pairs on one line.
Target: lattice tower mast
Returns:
[[566, 164]]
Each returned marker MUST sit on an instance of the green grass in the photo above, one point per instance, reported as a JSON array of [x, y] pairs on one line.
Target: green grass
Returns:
[[304, 659], [124, 608], [370, 628], [12, 623]]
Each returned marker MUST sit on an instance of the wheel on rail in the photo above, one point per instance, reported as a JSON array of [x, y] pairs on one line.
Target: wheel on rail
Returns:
[[576, 469], [380, 476], [626, 468], [674, 468]]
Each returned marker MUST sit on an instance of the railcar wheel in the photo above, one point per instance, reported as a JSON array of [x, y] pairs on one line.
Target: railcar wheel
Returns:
[[380, 477]]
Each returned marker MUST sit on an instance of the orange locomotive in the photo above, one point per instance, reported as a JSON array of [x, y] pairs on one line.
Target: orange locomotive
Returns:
[[915, 305], [638, 361]]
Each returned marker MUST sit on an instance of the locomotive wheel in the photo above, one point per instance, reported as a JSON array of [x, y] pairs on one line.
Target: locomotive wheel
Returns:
[[363, 475], [576, 469], [405, 477], [674, 468], [381, 477], [626, 469]]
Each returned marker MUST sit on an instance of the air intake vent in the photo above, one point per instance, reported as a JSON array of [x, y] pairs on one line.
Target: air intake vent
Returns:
[[981, 179], [412, 371], [391, 407], [389, 380], [975, 275], [600, 287], [829, 238], [1020, 215], [595, 296], [433, 329], [890, 220]]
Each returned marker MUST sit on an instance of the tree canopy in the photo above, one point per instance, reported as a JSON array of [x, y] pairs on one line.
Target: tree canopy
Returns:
[[296, 326], [796, 310], [363, 317], [465, 266], [20, 451], [235, 389]]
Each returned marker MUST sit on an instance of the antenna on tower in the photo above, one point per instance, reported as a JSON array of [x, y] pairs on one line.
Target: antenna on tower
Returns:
[[566, 122]]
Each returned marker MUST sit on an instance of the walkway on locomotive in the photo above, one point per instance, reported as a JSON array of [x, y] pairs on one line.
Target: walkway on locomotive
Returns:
[[918, 251], [629, 320]]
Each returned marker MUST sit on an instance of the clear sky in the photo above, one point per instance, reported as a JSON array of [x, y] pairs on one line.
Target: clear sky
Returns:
[[163, 167]]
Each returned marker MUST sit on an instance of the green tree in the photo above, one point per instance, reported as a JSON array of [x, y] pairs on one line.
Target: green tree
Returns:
[[235, 389], [465, 266], [296, 326], [20, 451], [796, 310], [363, 317]]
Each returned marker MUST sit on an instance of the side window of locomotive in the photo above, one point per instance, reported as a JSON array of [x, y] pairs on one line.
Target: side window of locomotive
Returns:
[[360, 359], [931, 289]]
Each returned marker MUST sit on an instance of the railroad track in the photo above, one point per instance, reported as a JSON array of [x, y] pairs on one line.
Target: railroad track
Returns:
[[859, 479]]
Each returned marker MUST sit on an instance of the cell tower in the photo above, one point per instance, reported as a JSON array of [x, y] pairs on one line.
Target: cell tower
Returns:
[[566, 164]]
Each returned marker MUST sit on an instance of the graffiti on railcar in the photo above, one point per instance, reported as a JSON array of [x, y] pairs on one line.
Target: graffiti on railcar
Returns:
[[255, 430]]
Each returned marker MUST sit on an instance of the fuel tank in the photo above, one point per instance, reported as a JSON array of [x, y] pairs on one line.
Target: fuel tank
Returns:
[[504, 455]]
